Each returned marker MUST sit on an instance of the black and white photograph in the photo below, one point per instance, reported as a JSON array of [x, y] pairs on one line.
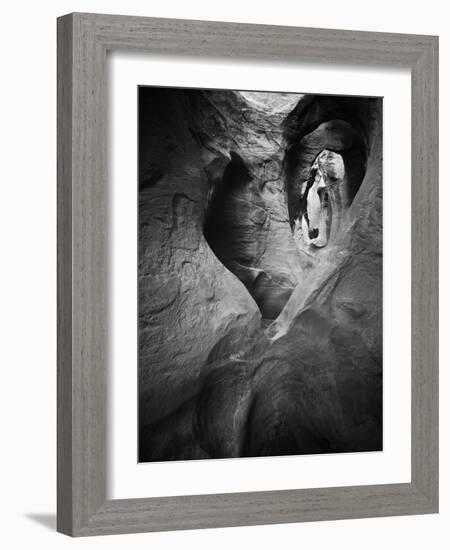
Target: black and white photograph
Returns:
[[222, 309], [260, 247]]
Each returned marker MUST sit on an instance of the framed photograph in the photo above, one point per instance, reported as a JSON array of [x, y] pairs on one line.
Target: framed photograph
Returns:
[[247, 274]]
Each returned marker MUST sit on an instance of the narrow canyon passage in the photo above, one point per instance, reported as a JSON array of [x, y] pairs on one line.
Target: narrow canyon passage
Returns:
[[260, 274]]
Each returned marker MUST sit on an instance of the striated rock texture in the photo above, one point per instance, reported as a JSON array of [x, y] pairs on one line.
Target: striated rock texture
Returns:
[[260, 274]]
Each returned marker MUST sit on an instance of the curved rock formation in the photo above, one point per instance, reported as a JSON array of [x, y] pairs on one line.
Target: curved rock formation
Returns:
[[260, 274], [322, 202]]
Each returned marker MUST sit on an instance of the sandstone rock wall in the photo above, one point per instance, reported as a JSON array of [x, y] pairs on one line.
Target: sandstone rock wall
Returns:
[[248, 345]]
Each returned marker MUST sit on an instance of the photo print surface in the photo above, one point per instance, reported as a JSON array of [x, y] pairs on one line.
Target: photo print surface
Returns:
[[260, 274]]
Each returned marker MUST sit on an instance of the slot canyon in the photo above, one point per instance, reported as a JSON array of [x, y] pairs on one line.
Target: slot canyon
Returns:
[[260, 274]]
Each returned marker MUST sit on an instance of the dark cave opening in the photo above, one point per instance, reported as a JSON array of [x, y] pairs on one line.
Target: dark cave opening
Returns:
[[324, 167], [337, 137], [341, 125], [236, 225], [223, 214]]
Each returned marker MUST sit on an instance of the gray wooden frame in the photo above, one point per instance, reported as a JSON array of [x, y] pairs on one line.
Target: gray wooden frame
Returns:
[[83, 40]]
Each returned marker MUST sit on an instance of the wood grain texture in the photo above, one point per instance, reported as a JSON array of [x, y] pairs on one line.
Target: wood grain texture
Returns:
[[425, 251], [83, 40], [64, 329]]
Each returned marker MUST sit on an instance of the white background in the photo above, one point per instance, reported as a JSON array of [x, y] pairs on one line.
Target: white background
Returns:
[[28, 300], [128, 479]]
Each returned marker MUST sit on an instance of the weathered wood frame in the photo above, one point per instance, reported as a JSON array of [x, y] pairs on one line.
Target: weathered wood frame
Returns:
[[83, 40]]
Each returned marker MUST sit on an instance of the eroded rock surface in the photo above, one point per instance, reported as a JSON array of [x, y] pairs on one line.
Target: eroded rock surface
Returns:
[[254, 340]]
